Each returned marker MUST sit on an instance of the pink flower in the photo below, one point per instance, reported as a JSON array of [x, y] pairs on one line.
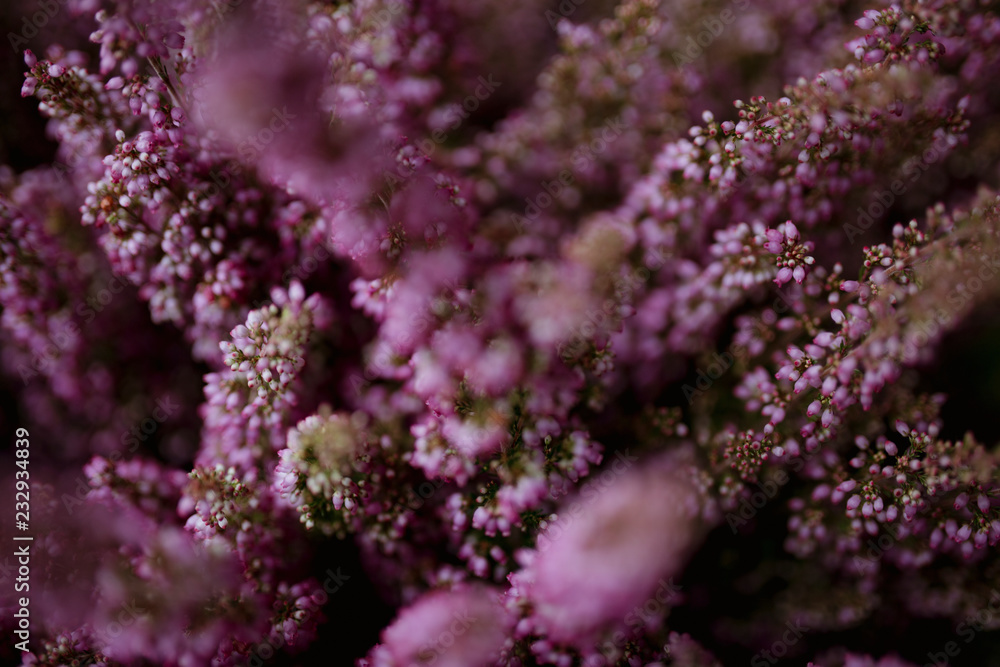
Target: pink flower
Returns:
[[875, 56], [464, 627], [791, 231], [636, 531], [497, 369], [784, 275]]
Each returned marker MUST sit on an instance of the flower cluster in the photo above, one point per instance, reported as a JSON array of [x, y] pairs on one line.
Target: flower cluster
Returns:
[[586, 334]]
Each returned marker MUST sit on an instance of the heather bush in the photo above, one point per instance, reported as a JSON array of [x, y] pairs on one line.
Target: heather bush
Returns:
[[396, 333]]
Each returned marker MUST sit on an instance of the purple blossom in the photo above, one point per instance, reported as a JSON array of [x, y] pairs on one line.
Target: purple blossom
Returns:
[[638, 530], [464, 626], [515, 304]]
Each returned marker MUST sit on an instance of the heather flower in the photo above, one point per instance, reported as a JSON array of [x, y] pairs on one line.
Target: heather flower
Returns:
[[249, 403], [131, 566], [461, 627], [422, 268], [67, 647], [321, 473], [637, 531]]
